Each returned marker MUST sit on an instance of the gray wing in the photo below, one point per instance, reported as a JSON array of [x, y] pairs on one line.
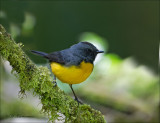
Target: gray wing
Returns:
[[70, 58], [56, 57], [65, 57]]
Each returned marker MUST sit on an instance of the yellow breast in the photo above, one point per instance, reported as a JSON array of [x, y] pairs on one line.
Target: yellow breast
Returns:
[[72, 74]]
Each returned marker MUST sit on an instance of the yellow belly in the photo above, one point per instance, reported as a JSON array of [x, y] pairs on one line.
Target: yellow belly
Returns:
[[72, 74]]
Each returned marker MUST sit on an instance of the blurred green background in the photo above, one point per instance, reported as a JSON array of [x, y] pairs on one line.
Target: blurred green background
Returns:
[[125, 78]]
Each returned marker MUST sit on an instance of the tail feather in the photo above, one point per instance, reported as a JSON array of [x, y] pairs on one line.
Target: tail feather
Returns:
[[39, 53]]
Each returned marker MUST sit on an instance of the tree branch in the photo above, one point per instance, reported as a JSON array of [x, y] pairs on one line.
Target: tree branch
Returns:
[[54, 101]]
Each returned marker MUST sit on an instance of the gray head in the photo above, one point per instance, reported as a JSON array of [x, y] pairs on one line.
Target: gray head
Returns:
[[86, 51]]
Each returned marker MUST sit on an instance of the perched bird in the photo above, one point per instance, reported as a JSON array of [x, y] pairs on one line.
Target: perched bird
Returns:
[[72, 65]]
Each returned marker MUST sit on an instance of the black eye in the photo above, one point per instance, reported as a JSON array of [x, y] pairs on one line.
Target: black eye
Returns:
[[89, 50]]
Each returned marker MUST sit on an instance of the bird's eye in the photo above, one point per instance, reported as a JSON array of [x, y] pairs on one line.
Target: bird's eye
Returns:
[[89, 50]]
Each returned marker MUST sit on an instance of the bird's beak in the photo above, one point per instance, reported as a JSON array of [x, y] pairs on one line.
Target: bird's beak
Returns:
[[99, 51]]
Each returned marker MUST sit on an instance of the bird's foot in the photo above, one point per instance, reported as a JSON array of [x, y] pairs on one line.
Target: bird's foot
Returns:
[[79, 102], [55, 83]]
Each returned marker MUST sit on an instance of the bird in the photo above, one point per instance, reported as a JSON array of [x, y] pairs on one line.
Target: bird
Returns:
[[73, 65]]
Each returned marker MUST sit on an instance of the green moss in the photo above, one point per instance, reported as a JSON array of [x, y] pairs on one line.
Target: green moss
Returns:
[[54, 101]]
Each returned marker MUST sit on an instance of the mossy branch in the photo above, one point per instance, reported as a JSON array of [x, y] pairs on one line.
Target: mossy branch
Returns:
[[54, 101]]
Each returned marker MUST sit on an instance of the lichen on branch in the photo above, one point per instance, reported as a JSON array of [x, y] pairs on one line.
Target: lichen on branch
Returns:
[[54, 101]]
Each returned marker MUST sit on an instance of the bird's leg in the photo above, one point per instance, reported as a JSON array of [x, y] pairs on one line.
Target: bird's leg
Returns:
[[76, 98], [54, 81]]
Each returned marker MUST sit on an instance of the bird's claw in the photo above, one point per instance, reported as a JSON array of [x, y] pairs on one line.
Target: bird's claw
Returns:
[[79, 102], [55, 83]]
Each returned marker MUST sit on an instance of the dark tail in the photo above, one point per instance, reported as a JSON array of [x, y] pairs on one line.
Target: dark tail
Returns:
[[39, 53]]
